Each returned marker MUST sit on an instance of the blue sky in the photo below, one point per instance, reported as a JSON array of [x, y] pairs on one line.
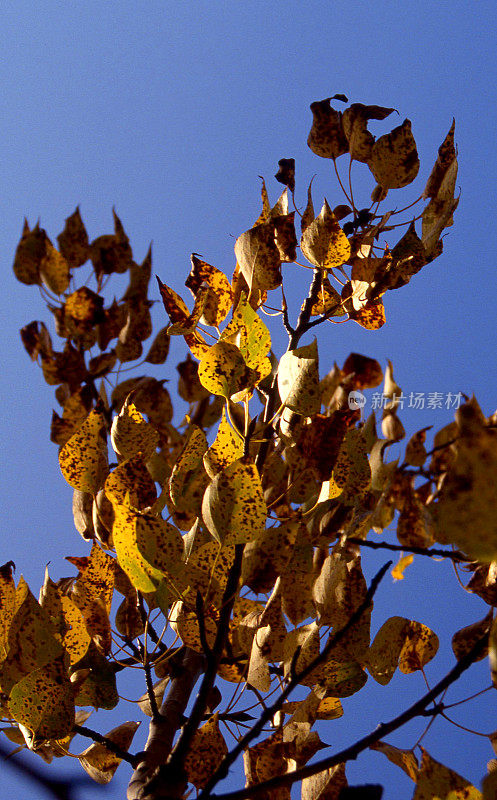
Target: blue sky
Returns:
[[170, 112]]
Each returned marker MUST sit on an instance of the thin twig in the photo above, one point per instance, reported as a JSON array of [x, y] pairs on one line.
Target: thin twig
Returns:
[[111, 746], [295, 679], [454, 555], [352, 752]]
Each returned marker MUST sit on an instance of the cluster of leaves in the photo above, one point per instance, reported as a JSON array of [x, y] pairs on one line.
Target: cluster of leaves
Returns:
[[239, 531]]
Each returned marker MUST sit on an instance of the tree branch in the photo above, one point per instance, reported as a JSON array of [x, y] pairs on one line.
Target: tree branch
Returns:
[[351, 752], [454, 555], [146, 780], [295, 678], [111, 746]]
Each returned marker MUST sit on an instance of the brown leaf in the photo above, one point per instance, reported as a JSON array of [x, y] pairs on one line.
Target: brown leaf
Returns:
[[286, 172], [366, 373], [355, 121], [327, 138], [29, 254], [446, 155], [73, 241], [394, 159]]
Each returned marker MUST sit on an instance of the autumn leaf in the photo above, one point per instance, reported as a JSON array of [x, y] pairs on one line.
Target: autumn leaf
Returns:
[[43, 701], [207, 750], [73, 241], [394, 159], [323, 241], [83, 459], [131, 434], [99, 762], [259, 257], [233, 507], [326, 138], [435, 780], [298, 380]]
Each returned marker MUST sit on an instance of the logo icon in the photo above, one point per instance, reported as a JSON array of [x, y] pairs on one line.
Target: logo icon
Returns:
[[356, 400]]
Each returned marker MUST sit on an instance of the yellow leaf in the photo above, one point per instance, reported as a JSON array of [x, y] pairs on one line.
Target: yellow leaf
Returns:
[[83, 459], [219, 298], [43, 701], [385, 650], [92, 594], [159, 348], [131, 482], [436, 782], [259, 258], [403, 563], [147, 547], [184, 623], [131, 434], [29, 254], [394, 159], [223, 370], [188, 464], [326, 137], [226, 448], [405, 759], [66, 618], [207, 750], [420, 646], [352, 473], [233, 507], [98, 761], [298, 380], [465, 639], [323, 242], [250, 335], [371, 316], [326, 785], [32, 640]]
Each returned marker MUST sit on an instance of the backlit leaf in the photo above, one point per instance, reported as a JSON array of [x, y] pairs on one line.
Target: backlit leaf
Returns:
[[207, 750], [326, 137], [298, 380], [131, 480], [223, 370], [325, 785], [147, 547], [405, 759], [437, 781], [420, 646], [189, 465], [226, 448], [233, 508], [131, 434], [323, 242], [83, 459], [219, 298], [465, 639], [446, 155], [464, 513], [7, 606], [402, 564], [259, 257], [43, 701], [98, 761]]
